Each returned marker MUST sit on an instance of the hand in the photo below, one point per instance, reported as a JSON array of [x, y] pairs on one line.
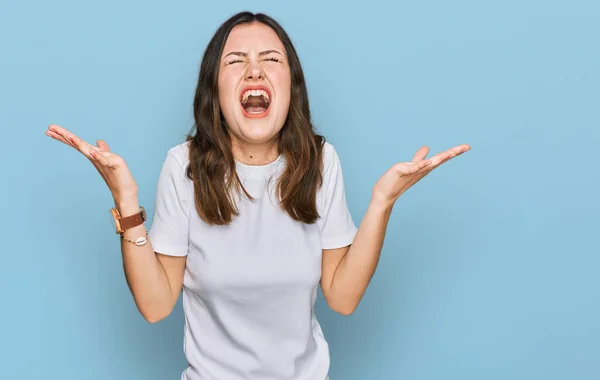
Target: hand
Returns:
[[111, 167], [403, 175]]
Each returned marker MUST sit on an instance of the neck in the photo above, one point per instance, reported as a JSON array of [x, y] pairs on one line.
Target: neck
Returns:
[[255, 154]]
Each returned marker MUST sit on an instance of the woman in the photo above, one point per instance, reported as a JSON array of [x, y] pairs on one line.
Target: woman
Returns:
[[250, 216]]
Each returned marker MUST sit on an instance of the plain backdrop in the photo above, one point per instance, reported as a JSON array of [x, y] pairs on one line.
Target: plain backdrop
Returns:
[[490, 264]]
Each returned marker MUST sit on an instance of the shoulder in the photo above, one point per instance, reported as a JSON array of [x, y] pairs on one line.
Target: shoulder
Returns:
[[329, 153], [331, 160], [175, 163], [331, 171], [179, 154], [176, 159]]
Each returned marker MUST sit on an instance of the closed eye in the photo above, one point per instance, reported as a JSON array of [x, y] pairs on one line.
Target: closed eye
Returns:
[[274, 59], [234, 61]]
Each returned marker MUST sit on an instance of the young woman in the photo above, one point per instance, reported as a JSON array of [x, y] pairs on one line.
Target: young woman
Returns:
[[250, 216]]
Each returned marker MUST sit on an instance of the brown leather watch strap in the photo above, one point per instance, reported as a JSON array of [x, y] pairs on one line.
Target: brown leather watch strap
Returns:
[[131, 221]]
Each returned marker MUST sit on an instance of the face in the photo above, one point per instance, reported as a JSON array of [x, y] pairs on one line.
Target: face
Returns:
[[254, 84]]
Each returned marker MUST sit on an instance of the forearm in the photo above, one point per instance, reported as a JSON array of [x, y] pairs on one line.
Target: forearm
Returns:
[[358, 265], [144, 273]]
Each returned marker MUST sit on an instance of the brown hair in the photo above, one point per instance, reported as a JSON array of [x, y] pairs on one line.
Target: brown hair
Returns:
[[211, 157]]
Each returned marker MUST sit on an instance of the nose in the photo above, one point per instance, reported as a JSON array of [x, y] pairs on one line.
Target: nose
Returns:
[[254, 71]]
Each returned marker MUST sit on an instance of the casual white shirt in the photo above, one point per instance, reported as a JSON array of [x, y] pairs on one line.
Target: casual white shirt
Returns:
[[250, 287]]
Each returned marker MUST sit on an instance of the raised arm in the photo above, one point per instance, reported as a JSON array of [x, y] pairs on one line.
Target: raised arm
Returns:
[[155, 280], [347, 271]]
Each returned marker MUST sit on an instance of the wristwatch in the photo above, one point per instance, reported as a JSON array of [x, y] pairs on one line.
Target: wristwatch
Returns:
[[123, 223]]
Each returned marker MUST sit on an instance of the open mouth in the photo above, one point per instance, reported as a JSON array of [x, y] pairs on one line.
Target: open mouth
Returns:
[[255, 102]]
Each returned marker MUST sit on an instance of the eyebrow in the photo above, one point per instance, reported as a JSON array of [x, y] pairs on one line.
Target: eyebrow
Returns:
[[242, 54]]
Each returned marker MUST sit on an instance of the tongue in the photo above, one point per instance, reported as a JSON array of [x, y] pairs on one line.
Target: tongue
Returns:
[[255, 105], [254, 110]]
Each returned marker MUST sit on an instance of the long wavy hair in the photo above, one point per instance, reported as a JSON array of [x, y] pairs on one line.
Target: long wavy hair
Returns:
[[212, 166]]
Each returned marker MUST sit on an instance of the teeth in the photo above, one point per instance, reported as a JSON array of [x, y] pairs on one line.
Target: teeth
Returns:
[[255, 93]]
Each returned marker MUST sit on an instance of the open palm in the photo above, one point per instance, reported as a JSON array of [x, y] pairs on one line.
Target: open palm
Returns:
[[111, 166], [403, 175]]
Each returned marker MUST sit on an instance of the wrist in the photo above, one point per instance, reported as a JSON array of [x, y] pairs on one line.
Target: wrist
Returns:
[[127, 206], [381, 204]]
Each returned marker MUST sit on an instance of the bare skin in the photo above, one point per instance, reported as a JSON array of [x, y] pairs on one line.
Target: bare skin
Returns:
[[154, 279], [347, 271], [253, 57]]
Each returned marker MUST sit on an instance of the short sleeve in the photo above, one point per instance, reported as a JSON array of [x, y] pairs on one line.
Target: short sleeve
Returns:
[[336, 225], [170, 225]]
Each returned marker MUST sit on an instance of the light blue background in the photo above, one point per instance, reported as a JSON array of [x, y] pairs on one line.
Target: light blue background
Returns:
[[490, 265]]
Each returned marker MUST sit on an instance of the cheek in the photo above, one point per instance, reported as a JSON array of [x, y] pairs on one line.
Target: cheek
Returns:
[[226, 95], [284, 89], [286, 100]]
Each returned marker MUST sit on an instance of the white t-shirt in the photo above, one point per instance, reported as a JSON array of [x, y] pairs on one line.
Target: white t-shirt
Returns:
[[250, 287]]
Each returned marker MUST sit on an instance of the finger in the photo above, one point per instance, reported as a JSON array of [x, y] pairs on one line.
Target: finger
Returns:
[[405, 168], [97, 164], [459, 149], [73, 140], [97, 160], [101, 157], [420, 154], [59, 130], [103, 145], [82, 145], [443, 157], [107, 159], [58, 137], [70, 137]]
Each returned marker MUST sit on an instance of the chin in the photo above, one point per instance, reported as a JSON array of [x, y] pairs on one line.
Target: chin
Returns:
[[257, 130]]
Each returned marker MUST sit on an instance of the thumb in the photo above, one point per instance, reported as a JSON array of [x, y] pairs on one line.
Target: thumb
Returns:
[[420, 154], [103, 145]]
